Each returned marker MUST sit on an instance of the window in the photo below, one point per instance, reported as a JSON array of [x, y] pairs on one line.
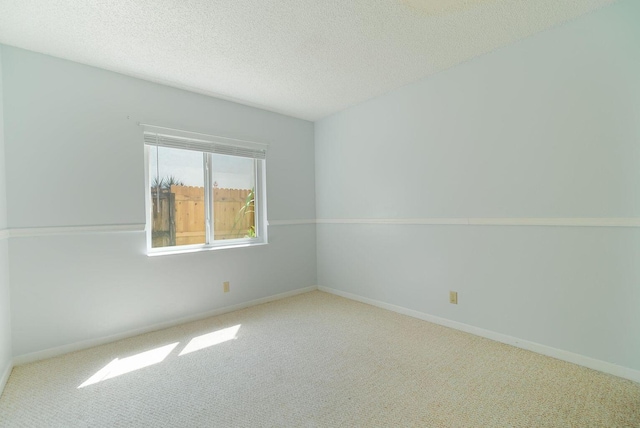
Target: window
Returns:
[[203, 192]]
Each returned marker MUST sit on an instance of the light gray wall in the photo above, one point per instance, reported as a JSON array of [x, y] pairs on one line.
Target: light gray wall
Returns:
[[5, 308], [3, 178], [547, 127], [75, 158]]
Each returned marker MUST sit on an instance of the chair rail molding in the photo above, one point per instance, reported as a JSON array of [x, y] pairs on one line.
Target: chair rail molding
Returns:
[[495, 221]]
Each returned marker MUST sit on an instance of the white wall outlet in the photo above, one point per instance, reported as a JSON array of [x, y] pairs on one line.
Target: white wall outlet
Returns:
[[225, 286]]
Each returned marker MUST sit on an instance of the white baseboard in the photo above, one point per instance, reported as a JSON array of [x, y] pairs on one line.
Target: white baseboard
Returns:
[[4, 377], [581, 360], [85, 344]]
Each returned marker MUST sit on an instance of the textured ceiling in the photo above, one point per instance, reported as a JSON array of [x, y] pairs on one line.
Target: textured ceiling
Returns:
[[304, 58]]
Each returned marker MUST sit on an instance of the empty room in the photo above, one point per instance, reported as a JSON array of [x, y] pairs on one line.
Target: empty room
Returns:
[[338, 213]]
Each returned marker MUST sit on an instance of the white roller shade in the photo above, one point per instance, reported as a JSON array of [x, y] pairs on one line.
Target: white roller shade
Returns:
[[177, 139]]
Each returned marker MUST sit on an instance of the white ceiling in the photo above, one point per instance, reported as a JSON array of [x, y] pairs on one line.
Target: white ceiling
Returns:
[[304, 58]]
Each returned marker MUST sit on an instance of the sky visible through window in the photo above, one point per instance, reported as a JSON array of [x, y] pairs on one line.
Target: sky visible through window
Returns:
[[186, 166]]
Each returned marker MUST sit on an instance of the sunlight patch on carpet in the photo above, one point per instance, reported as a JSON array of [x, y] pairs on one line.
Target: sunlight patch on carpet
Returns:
[[122, 366], [210, 339]]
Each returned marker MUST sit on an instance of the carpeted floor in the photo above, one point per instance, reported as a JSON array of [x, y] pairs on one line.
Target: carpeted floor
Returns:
[[313, 360]]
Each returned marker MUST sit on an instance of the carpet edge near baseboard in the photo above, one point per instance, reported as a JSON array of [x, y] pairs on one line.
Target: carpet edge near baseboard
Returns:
[[4, 378], [560, 354], [90, 343]]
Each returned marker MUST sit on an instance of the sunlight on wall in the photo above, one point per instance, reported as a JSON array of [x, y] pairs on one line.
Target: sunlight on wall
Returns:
[[119, 367], [210, 339]]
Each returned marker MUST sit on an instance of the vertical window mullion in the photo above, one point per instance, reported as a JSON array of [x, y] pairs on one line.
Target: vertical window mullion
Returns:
[[208, 196], [257, 199], [148, 201], [260, 207]]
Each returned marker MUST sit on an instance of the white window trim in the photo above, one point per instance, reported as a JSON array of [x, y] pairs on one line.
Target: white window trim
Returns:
[[260, 203]]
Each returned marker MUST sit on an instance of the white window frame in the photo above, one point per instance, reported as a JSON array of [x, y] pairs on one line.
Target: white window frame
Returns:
[[187, 140]]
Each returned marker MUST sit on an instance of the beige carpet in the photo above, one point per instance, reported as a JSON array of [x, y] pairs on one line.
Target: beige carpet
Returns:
[[313, 360]]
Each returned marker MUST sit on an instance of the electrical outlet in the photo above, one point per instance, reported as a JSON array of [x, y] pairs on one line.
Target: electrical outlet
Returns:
[[225, 286], [453, 297]]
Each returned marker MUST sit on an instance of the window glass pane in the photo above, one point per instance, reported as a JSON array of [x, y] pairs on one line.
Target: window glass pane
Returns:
[[177, 193], [234, 183]]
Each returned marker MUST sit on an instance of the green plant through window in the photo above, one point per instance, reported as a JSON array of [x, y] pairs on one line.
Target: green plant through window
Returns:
[[166, 182], [248, 208]]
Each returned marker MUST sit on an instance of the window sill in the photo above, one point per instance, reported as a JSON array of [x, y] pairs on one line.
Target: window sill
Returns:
[[201, 248]]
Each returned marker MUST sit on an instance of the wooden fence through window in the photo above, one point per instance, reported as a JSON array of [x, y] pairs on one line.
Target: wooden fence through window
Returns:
[[180, 218]]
